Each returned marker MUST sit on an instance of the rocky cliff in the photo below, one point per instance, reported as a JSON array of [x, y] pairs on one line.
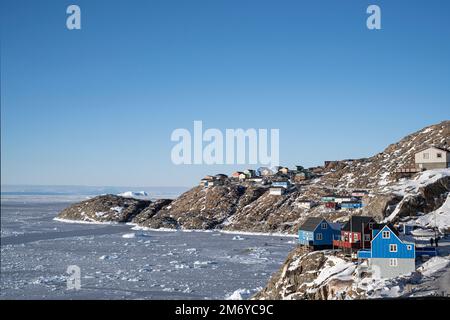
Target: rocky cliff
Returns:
[[107, 208]]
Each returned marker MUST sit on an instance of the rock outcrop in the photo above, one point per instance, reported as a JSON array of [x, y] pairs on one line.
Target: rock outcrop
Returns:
[[106, 208], [318, 275]]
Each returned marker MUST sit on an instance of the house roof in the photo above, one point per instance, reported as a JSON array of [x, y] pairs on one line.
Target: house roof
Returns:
[[433, 147], [336, 226], [356, 223], [393, 230], [311, 224], [380, 226]]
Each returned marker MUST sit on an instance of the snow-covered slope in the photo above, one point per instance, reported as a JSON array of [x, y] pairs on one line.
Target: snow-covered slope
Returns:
[[439, 218]]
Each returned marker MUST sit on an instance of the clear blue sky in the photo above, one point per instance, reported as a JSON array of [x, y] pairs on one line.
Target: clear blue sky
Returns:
[[97, 106]]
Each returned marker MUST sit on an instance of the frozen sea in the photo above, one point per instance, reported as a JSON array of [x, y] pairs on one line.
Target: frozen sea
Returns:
[[117, 262]]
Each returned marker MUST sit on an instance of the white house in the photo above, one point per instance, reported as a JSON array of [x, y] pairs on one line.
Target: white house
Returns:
[[432, 158], [277, 191], [340, 199], [305, 204]]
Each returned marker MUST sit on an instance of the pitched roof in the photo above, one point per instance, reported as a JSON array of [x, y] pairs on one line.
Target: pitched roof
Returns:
[[356, 223], [310, 224], [431, 147]]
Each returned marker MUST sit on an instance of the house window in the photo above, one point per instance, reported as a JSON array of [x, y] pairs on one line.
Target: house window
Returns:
[[409, 247], [319, 236], [393, 262], [392, 248], [324, 225], [386, 234], [367, 237], [426, 155], [355, 237], [370, 225], [439, 155]]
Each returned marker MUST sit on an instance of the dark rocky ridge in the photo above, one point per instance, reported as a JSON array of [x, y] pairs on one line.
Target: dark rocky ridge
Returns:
[[106, 208]]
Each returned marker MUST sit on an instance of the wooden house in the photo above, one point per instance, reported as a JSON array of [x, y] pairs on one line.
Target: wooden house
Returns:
[[265, 172], [204, 182], [356, 234], [284, 170], [350, 205], [299, 177], [213, 183], [282, 184], [331, 205], [221, 176], [277, 191], [328, 198], [317, 233], [250, 173], [359, 193], [340, 199], [305, 204], [432, 158], [236, 174], [388, 255]]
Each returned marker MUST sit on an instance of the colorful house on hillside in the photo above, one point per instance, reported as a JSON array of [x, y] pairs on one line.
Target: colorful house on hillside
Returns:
[[206, 180], [283, 170], [389, 256], [305, 204], [281, 184], [351, 205], [359, 193], [318, 233], [328, 198], [265, 172], [236, 174], [355, 234], [432, 157], [277, 191], [250, 173], [331, 205], [340, 199]]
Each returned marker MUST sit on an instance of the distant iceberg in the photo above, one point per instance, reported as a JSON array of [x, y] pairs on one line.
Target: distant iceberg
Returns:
[[132, 194]]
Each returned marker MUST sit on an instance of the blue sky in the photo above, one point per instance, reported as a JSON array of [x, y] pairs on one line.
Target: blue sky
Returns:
[[97, 106]]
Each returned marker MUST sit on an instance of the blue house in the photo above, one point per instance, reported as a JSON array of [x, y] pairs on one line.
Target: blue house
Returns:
[[389, 256], [351, 205], [318, 233], [281, 184]]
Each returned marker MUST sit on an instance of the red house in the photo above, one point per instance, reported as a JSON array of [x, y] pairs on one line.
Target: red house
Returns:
[[330, 205], [356, 234]]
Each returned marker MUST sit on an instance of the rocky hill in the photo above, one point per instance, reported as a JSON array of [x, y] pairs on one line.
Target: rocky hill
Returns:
[[245, 207], [107, 208], [328, 275], [379, 170]]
